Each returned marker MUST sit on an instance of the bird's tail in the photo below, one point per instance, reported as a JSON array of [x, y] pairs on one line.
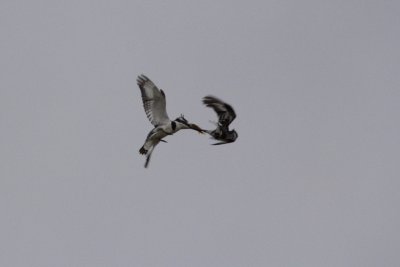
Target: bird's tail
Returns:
[[148, 156]]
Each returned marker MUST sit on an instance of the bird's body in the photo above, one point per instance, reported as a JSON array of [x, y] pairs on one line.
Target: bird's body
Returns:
[[155, 107], [226, 115], [158, 133], [223, 134]]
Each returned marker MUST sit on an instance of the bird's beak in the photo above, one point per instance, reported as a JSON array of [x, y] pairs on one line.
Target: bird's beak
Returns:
[[197, 128]]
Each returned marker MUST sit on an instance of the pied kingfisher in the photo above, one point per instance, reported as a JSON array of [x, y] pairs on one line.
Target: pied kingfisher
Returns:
[[155, 107], [226, 115]]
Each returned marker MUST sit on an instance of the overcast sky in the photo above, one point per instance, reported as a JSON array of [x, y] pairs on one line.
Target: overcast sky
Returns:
[[312, 180]]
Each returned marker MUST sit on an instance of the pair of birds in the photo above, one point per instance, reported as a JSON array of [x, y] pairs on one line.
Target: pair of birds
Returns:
[[155, 107]]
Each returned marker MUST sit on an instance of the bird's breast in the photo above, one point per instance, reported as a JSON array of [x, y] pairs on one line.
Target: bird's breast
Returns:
[[168, 128]]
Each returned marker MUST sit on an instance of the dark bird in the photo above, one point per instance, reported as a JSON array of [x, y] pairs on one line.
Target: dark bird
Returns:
[[155, 107], [226, 115]]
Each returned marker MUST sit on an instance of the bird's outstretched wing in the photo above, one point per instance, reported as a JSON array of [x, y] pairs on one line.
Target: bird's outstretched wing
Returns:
[[153, 101], [225, 112]]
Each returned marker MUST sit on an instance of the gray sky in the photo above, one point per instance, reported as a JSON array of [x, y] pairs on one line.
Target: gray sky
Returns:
[[312, 180]]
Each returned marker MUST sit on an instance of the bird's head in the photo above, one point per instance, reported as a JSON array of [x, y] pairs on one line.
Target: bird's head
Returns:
[[186, 125], [230, 138], [234, 135]]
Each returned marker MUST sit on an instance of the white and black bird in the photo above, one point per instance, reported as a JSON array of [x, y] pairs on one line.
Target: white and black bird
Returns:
[[226, 115], [155, 107]]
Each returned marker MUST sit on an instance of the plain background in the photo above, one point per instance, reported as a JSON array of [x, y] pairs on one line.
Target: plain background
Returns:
[[313, 179]]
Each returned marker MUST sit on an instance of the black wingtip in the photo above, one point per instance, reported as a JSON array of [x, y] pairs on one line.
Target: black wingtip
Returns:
[[222, 143], [209, 99], [141, 79]]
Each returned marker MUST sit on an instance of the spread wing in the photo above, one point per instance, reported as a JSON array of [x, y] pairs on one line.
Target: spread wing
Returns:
[[153, 101], [225, 112]]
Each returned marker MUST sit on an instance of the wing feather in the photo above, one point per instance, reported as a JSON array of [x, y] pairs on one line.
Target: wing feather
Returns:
[[225, 112], [153, 101]]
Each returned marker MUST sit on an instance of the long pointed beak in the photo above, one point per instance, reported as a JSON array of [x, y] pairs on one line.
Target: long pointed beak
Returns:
[[197, 128]]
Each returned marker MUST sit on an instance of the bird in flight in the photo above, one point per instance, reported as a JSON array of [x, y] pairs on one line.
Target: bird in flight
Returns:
[[226, 115], [155, 107]]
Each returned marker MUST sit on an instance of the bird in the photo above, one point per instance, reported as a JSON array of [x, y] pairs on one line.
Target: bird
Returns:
[[226, 115], [154, 104]]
